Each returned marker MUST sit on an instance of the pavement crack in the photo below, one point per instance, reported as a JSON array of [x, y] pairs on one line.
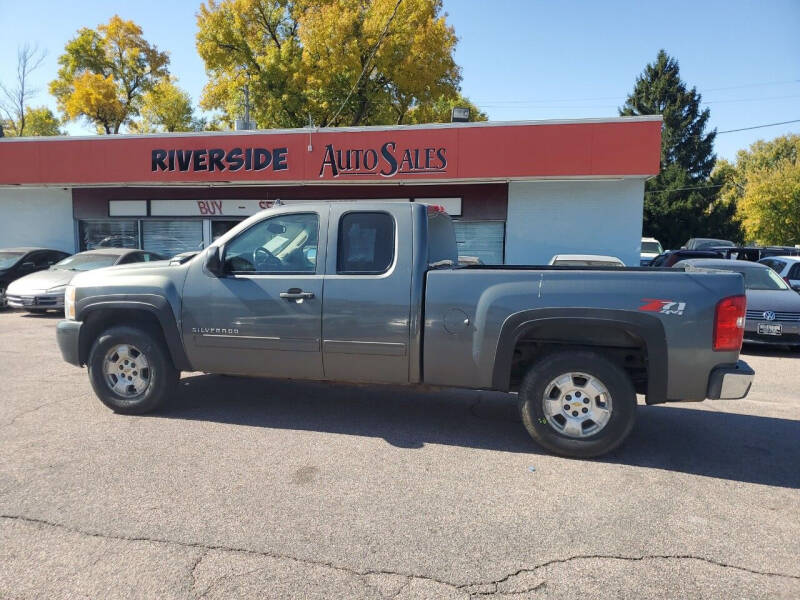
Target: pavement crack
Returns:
[[16, 417], [492, 585], [495, 584], [222, 548], [193, 570]]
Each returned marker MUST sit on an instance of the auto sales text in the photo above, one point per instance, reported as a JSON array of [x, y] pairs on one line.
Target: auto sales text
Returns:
[[391, 160]]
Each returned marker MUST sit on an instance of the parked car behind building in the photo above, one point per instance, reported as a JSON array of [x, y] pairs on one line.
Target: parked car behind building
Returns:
[[650, 248], [585, 260], [703, 243], [670, 257], [773, 309], [18, 262], [43, 291]]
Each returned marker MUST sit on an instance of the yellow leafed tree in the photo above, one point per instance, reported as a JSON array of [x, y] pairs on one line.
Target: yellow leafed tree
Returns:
[[765, 185], [337, 62], [166, 107], [104, 74]]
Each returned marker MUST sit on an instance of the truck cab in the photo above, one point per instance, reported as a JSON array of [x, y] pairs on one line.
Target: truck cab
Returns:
[[269, 279]]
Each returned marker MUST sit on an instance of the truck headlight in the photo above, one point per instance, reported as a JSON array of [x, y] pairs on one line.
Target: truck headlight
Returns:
[[69, 303]]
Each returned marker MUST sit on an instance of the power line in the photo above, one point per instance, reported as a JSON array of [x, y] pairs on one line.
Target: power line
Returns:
[[369, 60], [591, 99], [759, 126], [693, 187], [500, 104]]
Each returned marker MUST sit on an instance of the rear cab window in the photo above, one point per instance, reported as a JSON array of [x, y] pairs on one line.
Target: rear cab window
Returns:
[[366, 243]]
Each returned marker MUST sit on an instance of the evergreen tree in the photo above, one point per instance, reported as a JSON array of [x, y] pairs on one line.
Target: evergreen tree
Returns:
[[682, 201]]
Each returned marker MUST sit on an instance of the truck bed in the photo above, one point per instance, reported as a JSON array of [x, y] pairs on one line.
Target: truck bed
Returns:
[[471, 313]]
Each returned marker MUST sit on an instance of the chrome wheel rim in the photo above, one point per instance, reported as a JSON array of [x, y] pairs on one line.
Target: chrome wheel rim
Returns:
[[577, 405], [127, 371]]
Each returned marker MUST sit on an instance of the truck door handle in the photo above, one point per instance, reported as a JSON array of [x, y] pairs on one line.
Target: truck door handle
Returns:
[[296, 294]]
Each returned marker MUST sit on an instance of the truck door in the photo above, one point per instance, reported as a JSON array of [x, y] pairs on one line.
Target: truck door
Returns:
[[263, 314], [366, 311]]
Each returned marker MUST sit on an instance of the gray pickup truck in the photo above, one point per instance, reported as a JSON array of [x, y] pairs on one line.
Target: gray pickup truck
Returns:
[[372, 292]]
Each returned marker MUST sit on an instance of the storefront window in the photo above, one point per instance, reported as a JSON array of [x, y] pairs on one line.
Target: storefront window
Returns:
[[169, 238], [108, 234], [220, 228]]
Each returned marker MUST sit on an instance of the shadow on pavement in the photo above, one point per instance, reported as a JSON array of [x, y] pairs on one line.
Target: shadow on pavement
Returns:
[[778, 351], [745, 448], [45, 315]]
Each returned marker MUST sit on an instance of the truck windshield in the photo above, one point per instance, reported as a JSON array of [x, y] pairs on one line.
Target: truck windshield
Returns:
[[651, 248], [86, 262], [9, 259]]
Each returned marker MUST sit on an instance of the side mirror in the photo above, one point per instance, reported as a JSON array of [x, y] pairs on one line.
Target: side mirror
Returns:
[[213, 262]]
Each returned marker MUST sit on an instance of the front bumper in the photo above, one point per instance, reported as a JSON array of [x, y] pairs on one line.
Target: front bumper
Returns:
[[790, 333], [730, 382], [36, 301], [68, 335]]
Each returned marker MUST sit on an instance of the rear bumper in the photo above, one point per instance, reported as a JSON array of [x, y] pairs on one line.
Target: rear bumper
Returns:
[[68, 335], [730, 382]]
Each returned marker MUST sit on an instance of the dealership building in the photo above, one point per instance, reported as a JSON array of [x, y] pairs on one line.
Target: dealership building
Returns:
[[519, 192]]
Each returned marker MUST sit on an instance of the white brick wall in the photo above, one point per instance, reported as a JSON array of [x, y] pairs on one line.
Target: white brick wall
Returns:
[[37, 217]]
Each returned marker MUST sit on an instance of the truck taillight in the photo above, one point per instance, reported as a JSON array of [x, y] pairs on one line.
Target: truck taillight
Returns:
[[729, 323]]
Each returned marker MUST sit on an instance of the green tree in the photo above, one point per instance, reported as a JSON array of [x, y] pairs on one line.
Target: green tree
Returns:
[[682, 201], [440, 110], [166, 107], [764, 185], [39, 121], [105, 72], [337, 62]]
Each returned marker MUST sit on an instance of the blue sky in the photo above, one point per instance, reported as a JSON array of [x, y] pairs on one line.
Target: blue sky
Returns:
[[521, 59]]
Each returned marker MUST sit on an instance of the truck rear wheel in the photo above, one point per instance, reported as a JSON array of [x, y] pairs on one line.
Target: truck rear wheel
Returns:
[[577, 404], [130, 370]]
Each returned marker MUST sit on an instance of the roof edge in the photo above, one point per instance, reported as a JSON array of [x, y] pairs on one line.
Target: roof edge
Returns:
[[306, 130]]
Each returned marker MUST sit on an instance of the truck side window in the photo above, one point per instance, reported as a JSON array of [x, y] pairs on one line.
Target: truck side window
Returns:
[[281, 244], [366, 243]]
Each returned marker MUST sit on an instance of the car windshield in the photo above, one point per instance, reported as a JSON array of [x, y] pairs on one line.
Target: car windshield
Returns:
[[761, 279], [586, 263], [86, 262], [651, 248], [713, 243], [9, 259]]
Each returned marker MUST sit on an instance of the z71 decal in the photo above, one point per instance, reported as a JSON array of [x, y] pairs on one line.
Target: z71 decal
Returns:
[[665, 307]]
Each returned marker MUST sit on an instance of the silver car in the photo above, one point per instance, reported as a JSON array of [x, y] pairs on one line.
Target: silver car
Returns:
[[773, 308], [44, 290]]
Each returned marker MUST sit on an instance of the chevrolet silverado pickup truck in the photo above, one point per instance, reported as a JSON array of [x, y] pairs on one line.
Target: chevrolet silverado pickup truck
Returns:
[[372, 292]]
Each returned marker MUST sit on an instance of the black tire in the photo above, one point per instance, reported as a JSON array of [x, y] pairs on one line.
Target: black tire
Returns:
[[162, 377], [616, 381]]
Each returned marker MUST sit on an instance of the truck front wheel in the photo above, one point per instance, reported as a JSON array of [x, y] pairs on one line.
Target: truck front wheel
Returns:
[[130, 370], [577, 404]]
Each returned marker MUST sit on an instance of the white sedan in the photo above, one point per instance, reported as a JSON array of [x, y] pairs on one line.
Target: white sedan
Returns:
[[787, 267]]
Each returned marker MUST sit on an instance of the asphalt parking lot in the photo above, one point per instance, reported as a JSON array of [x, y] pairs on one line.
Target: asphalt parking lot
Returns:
[[265, 489]]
